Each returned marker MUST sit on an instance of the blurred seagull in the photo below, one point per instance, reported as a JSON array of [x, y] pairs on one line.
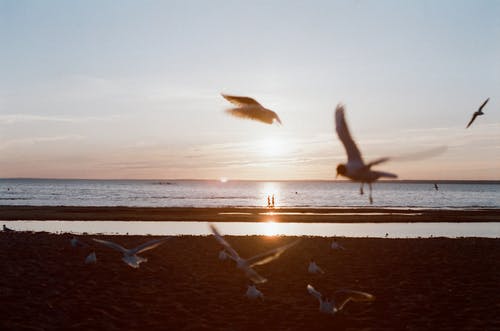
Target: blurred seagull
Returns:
[[253, 293], [339, 300], [313, 268], [130, 256], [247, 264], [355, 168], [91, 258], [75, 242], [336, 245], [478, 112], [250, 108]]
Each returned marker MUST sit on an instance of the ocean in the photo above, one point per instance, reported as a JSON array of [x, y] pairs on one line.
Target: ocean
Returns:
[[204, 193]]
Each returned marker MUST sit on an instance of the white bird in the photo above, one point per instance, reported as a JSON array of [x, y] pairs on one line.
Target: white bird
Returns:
[[253, 293], [479, 112], [355, 168], [313, 268], [247, 264], [75, 242], [336, 246], [91, 258], [130, 256], [251, 109], [339, 300]]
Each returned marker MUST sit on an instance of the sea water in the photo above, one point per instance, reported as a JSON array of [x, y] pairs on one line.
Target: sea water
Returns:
[[193, 193]]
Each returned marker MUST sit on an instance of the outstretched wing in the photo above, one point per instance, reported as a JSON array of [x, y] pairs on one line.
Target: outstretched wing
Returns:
[[112, 245], [342, 297], [377, 161], [312, 291], [223, 242], [353, 154], [472, 119], [484, 104], [149, 245], [269, 255], [241, 101]]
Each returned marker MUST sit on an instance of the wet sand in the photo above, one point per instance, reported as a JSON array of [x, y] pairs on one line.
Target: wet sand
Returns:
[[305, 215], [419, 284]]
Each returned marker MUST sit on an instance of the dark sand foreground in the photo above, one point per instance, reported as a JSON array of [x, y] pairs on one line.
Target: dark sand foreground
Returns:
[[420, 284], [232, 214]]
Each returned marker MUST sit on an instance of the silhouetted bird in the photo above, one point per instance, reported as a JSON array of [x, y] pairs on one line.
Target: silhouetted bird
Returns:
[[478, 112], [355, 168], [6, 229], [251, 109]]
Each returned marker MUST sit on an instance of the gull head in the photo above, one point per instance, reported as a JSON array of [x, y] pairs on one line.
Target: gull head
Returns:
[[341, 170]]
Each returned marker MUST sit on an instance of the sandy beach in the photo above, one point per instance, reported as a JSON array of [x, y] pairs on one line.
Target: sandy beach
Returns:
[[419, 284], [302, 215]]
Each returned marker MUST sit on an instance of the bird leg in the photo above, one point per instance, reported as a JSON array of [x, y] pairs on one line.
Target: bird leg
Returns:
[[371, 199], [361, 188]]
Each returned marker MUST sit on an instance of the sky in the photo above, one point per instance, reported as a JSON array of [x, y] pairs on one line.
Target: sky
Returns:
[[131, 89]]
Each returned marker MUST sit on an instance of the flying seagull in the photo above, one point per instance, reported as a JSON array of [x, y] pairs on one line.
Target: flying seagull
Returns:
[[247, 264], [130, 256], [478, 112], [355, 168], [339, 300], [249, 108]]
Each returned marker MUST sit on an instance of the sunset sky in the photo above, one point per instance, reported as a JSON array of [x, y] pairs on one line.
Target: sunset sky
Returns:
[[131, 89]]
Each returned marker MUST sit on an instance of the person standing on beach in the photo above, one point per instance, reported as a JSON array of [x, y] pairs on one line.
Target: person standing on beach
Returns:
[[272, 203], [268, 201]]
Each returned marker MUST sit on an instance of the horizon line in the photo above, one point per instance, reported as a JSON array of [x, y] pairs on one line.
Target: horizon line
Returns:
[[257, 180]]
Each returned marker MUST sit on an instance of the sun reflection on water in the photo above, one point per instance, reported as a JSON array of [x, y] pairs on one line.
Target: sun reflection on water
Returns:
[[270, 228]]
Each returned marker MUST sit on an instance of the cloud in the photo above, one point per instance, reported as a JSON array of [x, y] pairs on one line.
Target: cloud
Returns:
[[20, 118], [35, 140]]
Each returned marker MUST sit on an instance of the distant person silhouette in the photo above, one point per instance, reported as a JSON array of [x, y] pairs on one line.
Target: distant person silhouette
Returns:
[[268, 201], [436, 187], [272, 203]]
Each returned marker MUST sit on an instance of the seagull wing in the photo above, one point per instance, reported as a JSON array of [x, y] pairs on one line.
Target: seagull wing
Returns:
[[342, 297], [472, 119], [377, 161], [223, 242], [312, 291], [148, 245], [241, 101], [255, 113], [353, 154], [112, 245], [269, 255], [484, 104]]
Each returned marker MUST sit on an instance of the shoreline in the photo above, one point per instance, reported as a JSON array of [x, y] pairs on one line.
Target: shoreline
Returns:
[[244, 214]]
